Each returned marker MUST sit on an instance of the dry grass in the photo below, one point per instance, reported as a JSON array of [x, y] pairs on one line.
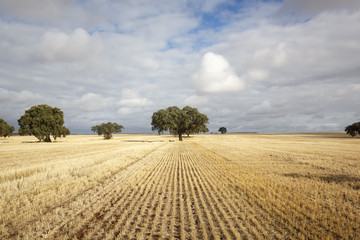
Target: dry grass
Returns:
[[289, 186]]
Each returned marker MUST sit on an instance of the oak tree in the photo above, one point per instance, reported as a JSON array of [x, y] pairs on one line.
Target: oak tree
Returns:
[[5, 129], [353, 129], [223, 130], [179, 121], [107, 129], [43, 121]]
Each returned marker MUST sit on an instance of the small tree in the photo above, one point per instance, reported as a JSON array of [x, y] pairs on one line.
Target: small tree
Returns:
[[107, 129], [353, 129], [43, 121], [223, 130], [5, 129]]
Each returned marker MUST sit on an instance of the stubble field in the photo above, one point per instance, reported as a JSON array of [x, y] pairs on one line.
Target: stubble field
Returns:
[[288, 186]]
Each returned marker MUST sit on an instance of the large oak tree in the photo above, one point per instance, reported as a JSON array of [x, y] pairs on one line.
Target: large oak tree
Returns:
[[179, 121], [43, 121]]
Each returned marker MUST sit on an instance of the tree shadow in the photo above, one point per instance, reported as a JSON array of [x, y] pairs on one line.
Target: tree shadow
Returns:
[[351, 181]]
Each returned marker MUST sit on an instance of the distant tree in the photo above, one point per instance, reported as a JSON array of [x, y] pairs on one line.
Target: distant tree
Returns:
[[179, 121], [5, 129], [353, 129], [223, 130], [159, 121], [43, 121], [107, 129]]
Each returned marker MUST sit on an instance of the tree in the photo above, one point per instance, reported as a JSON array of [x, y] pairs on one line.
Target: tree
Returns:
[[43, 121], [179, 121], [353, 129], [159, 121], [5, 129], [197, 121], [107, 129], [223, 130]]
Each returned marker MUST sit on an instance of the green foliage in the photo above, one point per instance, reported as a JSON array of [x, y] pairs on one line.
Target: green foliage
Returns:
[[353, 129], [159, 121], [107, 129], [179, 121], [43, 121], [223, 130], [5, 129]]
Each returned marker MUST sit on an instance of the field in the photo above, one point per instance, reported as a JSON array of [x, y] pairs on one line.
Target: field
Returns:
[[247, 186]]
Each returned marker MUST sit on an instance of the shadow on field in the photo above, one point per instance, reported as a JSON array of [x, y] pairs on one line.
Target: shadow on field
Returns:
[[335, 135], [351, 181], [142, 141]]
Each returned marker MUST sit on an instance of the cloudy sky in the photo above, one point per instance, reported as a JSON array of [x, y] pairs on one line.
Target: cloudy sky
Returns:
[[263, 66]]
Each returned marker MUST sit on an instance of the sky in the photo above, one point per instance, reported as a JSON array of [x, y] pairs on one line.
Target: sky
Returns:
[[251, 66]]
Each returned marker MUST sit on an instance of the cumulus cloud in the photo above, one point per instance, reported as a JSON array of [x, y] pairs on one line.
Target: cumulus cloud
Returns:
[[257, 74], [92, 102], [23, 97], [196, 100], [123, 60], [58, 46], [216, 75], [131, 98]]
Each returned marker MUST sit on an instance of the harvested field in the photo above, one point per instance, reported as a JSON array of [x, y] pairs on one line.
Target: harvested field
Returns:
[[288, 186]]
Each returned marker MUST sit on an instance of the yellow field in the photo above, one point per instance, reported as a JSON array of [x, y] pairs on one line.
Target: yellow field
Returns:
[[288, 186]]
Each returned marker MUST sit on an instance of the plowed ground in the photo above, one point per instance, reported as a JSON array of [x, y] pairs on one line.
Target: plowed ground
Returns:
[[150, 188]]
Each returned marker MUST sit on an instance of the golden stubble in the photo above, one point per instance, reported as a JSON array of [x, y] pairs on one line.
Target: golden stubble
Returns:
[[287, 186]]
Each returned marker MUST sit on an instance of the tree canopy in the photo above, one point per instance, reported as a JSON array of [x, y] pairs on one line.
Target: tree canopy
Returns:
[[159, 121], [43, 121], [223, 130], [179, 121], [5, 129], [353, 129], [107, 129]]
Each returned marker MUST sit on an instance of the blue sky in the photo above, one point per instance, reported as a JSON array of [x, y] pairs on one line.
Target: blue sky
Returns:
[[263, 66]]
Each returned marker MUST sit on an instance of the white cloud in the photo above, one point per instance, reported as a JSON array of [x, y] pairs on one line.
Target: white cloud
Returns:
[[196, 100], [131, 98], [23, 97], [122, 60], [92, 102], [216, 75], [58, 46], [257, 74]]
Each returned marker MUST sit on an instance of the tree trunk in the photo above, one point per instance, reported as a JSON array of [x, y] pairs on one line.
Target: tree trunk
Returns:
[[180, 137], [47, 139]]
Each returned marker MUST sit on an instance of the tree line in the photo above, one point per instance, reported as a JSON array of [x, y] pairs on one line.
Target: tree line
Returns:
[[43, 121]]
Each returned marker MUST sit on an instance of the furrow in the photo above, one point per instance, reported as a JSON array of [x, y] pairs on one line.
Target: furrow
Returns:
[[215, 198], [92, 202], [207, 221], [130, 213]]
